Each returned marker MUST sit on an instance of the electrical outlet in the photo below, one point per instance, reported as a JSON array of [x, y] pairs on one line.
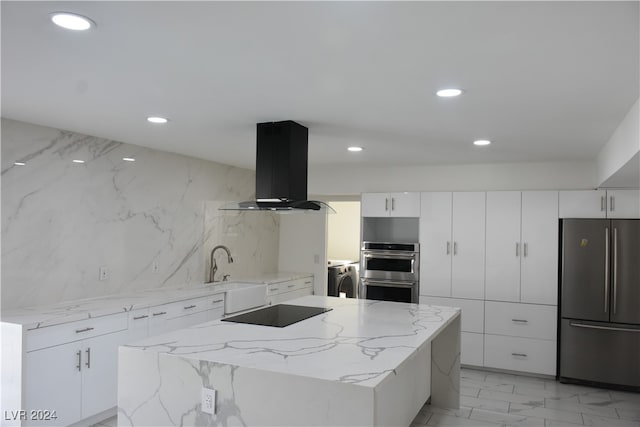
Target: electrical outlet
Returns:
[[103, 273], [155, 268], [208, 401]]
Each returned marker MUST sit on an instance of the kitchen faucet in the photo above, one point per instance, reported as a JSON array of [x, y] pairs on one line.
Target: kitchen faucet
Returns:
[[214, 265]]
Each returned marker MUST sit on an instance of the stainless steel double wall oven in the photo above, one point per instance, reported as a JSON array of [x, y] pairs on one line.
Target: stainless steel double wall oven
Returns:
[[390, 271]]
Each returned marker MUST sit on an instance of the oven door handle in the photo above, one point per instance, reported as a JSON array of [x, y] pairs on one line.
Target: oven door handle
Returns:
[[389, 255], [388, 283]]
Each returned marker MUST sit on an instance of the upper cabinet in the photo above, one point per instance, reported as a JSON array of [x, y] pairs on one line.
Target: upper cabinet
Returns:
[[522, 246], [600, 204], [452, 240], [390, 205]]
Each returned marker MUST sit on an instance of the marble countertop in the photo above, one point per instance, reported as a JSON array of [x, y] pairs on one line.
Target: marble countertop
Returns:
[[358, 341], [71, 311]]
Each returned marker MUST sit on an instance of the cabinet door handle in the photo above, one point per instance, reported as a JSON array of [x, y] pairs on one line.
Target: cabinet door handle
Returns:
[[79, 365], [602, 203], [519, 354], [290, 286], [160, 313], [140, 317], [448, 247], [520, 320], [517, 249], [79, 331], [393, 203], [612, 203], [189, 307], [526, 249], [275, 289], [215, 301], [307, 283], [386, 204], [88, 364], [455, 248]]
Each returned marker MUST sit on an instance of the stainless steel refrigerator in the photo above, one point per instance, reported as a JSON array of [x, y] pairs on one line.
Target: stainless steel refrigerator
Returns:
[[599, 340]]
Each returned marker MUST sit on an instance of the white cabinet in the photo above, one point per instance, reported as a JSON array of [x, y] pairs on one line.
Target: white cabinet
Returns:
[[600, 204], [522, 246], [623, 203], [452, 242], [190, 312], [521, 320], [283, 291], [520, 354], [390, 204], [75, 377]]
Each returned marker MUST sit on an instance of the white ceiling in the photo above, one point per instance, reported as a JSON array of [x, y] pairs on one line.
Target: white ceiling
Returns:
[[544, 80]]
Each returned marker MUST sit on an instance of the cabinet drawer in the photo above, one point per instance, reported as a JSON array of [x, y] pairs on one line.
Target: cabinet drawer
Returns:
[[289, 286], [521, 320], [472, 311], [190, 306], [472, 351], [520, 354], [74, 331], [286, 296]]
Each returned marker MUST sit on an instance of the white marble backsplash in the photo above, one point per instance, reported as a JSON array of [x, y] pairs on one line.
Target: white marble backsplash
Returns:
[[61, 220]]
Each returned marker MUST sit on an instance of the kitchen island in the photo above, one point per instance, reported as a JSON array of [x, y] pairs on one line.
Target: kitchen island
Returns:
[[362, 363]]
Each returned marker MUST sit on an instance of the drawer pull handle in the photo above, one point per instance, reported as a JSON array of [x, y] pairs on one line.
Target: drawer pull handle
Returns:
[[290, 286], [582, 325], [275, 289], [307, 283], [79, 331], [519, 354], [520, 320], [160, 313], [189, 307], [88, 358], [215, 301], [140, 317], [79, 365]]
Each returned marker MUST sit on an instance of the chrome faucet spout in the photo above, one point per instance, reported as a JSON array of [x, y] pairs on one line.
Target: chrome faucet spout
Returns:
[[214, 264]]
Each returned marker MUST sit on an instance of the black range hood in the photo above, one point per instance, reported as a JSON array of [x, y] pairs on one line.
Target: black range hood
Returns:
[[281, 169]]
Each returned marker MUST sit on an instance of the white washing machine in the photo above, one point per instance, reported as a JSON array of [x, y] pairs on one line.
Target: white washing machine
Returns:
[[342, 279]]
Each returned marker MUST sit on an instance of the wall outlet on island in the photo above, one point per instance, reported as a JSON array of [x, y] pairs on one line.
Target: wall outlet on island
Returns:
[[208, 400], [103, 273]]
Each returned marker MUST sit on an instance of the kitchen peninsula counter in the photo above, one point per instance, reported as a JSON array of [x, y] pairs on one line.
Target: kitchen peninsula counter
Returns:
[[362, 363]]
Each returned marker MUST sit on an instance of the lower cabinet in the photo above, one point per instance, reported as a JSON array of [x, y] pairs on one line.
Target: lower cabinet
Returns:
[[75, 379], [472, 326], [283, 291], [503, 335]]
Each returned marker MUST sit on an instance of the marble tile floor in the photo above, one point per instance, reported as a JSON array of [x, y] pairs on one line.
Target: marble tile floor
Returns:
[[490, 399]]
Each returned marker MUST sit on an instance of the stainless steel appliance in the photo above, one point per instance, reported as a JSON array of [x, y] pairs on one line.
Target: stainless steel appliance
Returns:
[[599, 340], [390, 271], [342, 279]]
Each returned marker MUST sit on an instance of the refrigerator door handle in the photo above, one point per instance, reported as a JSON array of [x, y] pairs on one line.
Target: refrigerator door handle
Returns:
[[606, 269], [615, 268], [606, 328]]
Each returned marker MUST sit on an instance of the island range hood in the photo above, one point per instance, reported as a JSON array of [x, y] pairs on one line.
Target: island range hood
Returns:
[[281, 170]]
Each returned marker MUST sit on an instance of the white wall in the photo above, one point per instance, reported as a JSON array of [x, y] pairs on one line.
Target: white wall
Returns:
[[303, 246], [61, 221], [343, 241], [506, 176], [621, 148]]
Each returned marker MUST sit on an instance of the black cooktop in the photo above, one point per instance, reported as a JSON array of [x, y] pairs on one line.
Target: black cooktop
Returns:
[[280, 315]]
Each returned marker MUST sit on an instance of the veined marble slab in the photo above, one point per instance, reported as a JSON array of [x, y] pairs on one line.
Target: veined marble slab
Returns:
[[43, 316], [363, 363]]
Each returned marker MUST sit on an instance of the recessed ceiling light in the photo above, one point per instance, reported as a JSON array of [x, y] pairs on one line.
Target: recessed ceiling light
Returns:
[[77, 161], [72, 21], [19, 163], [449, 93], [354, 149], [159, 120], [128, 159], [481, 142]]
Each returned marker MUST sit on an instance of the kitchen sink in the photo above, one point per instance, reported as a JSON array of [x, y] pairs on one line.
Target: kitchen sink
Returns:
[[244, 296]]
